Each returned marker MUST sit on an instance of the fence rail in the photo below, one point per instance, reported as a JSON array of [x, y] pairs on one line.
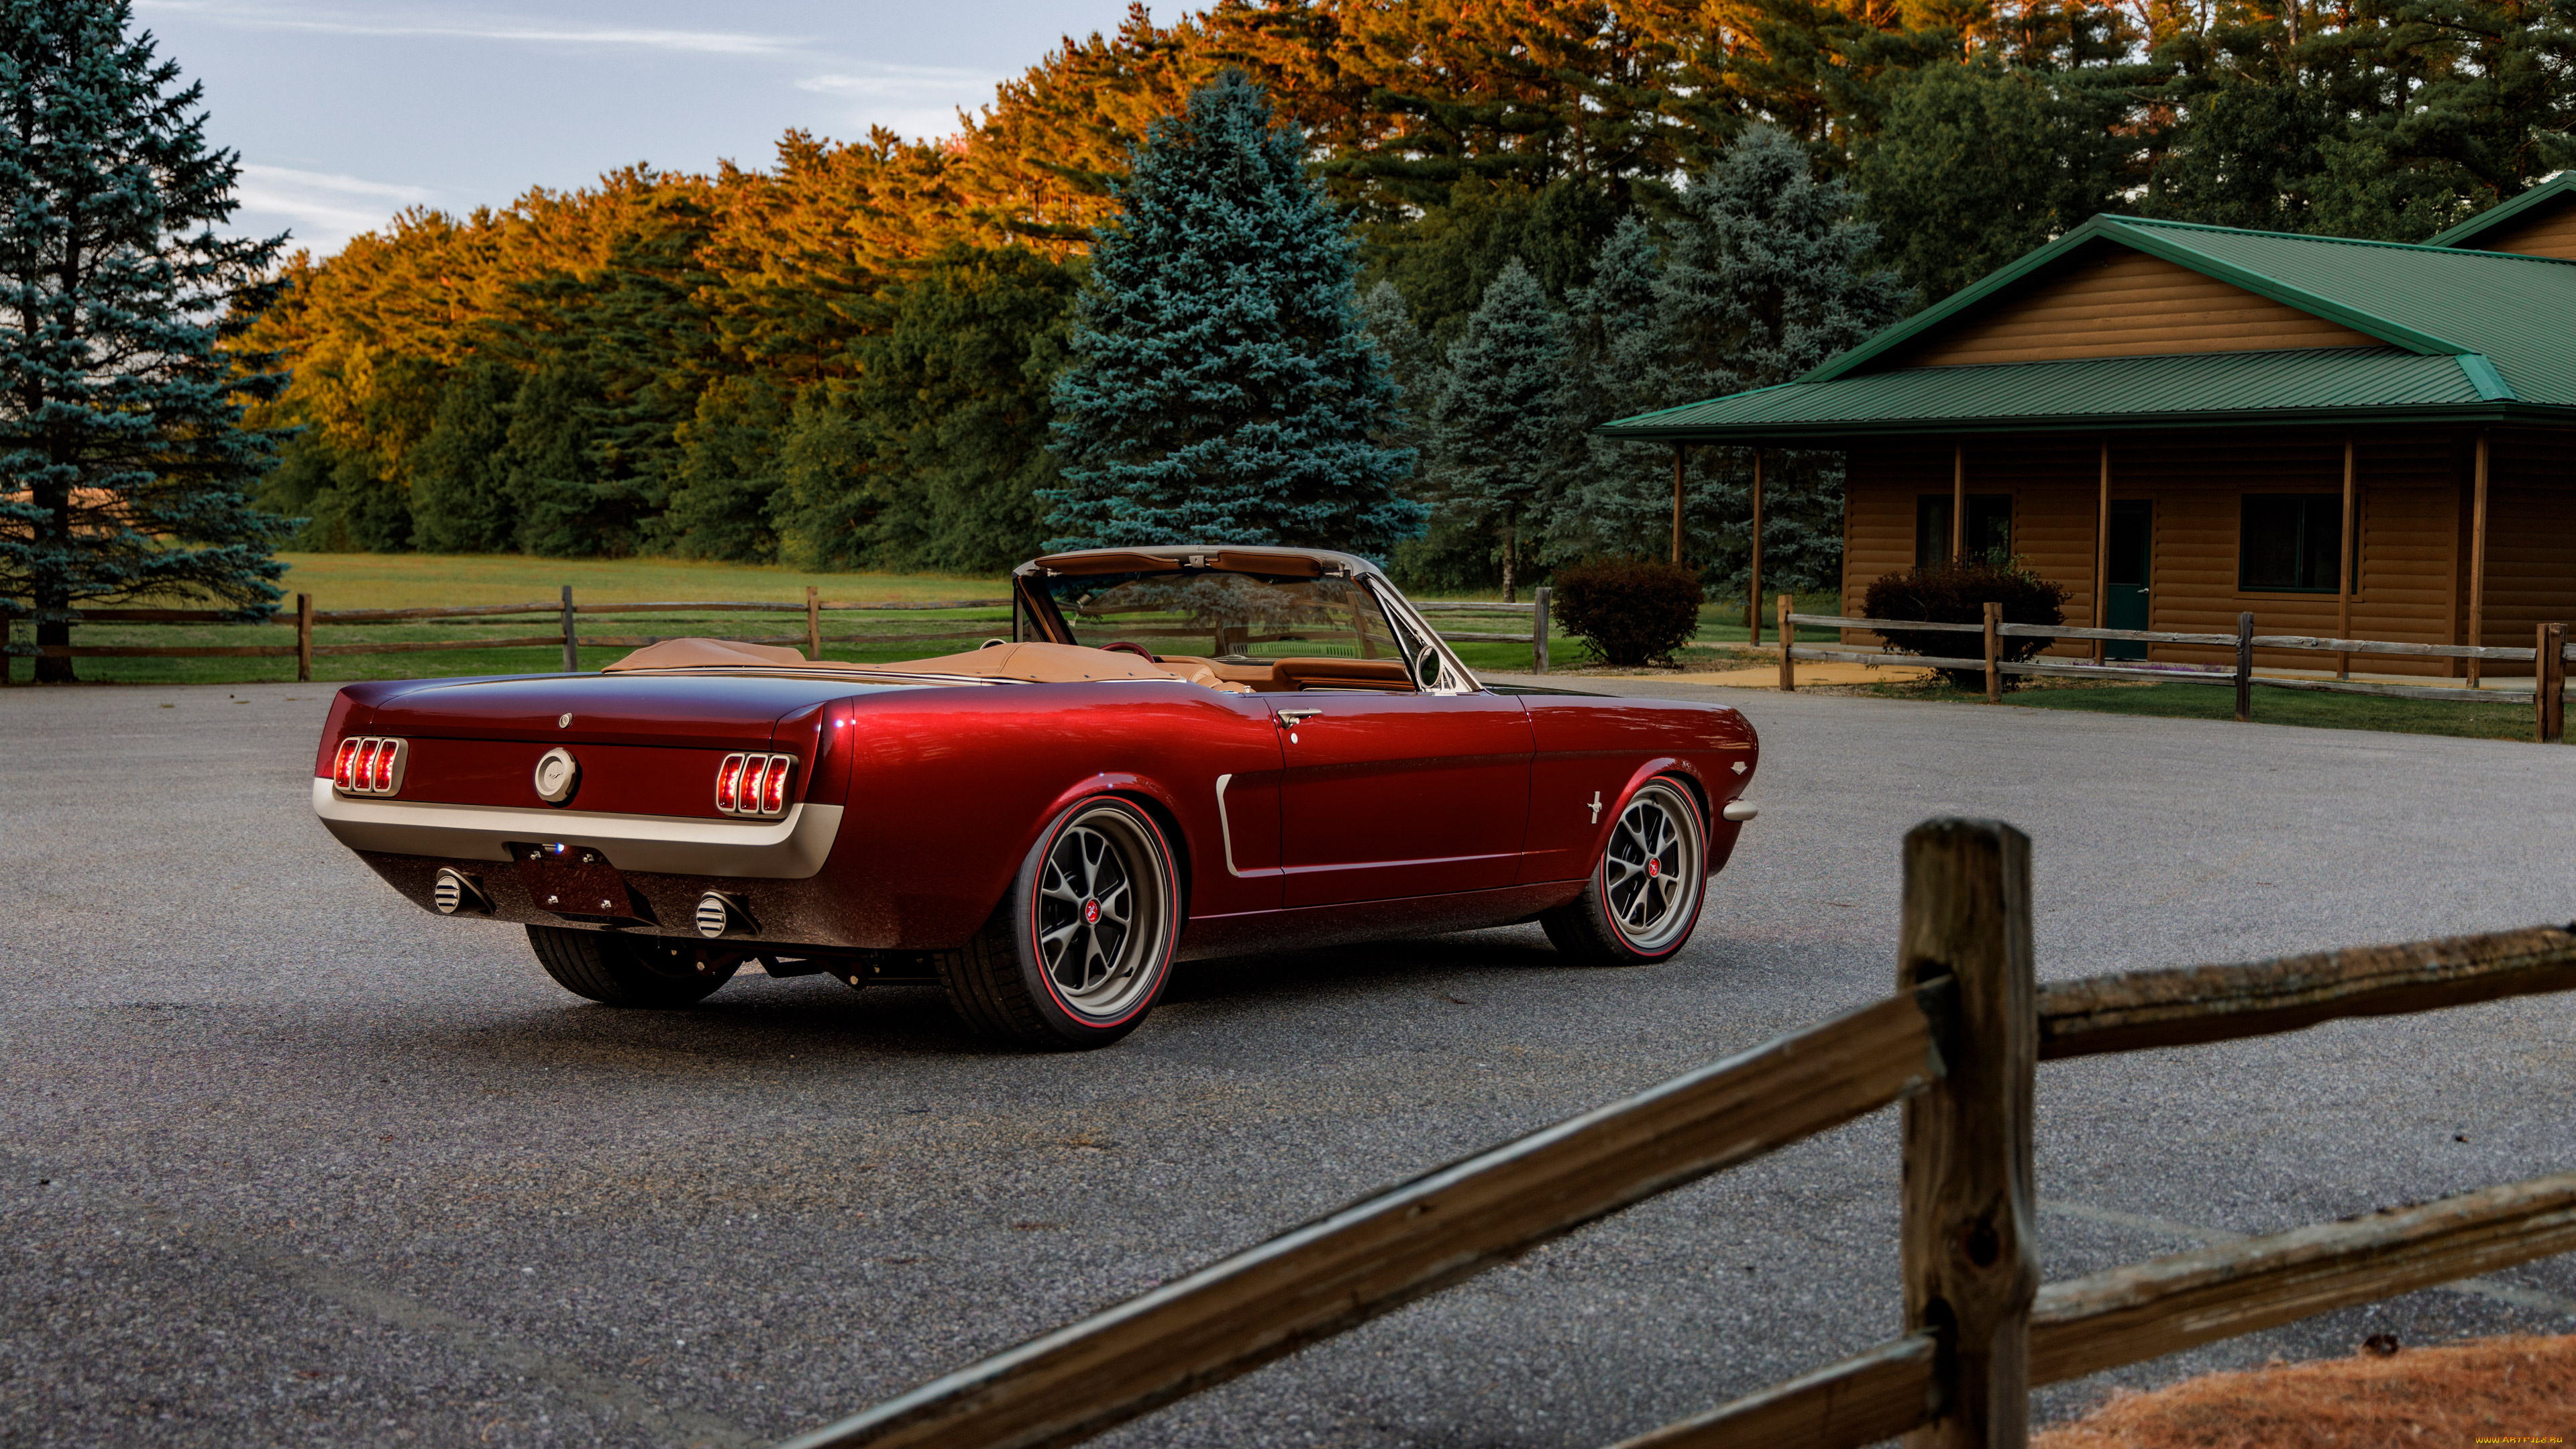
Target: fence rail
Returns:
[[569, 635], [2548, 655], [1958, 1045]]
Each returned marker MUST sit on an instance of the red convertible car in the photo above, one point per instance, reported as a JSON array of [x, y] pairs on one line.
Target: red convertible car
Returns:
[[1179, 752]]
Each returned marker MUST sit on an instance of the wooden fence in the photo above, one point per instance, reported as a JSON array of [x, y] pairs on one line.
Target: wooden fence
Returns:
[[2548, 656], [1959, 1045], [569, 635]]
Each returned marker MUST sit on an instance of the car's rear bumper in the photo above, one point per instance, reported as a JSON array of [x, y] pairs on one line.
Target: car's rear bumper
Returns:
[[790, 848]]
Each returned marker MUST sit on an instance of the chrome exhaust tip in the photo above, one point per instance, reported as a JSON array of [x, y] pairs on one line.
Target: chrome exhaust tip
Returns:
[[721, 915], [456, 892]]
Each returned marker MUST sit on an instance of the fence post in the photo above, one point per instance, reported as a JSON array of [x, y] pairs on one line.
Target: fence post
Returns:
[[813, 625], [2549, 684], [1969, 1257], [1788, 667], [572, 646], [2244, 667], [303, 638], [1994, 655], [1538, 627]]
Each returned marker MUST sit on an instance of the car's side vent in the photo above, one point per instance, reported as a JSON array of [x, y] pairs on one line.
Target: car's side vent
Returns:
[[370, 766], [753, 784]]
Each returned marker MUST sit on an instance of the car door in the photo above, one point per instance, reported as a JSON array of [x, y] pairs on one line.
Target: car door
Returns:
[[1388, 795]]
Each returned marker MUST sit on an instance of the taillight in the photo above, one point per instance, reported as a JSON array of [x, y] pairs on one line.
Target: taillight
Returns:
[[753, 784], [369, 766]]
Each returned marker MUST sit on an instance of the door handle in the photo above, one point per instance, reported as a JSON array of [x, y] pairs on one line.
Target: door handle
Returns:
[[1293, 717]]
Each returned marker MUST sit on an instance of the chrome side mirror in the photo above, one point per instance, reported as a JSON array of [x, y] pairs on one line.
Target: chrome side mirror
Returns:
[[1426, 668]]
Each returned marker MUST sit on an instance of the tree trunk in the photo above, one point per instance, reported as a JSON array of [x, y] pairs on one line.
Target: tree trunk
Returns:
[[1510, 546], [52, 594]]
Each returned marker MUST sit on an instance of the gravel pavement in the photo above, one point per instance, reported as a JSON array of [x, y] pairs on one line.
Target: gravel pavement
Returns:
[[285, 1160]]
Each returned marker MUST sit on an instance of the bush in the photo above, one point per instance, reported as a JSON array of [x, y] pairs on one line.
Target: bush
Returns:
[[1957, 593], [1628, 611]]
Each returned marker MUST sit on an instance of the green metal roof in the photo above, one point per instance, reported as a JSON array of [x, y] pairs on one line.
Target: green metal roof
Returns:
[[2547, 194], [2499, 330], [2093, 395]]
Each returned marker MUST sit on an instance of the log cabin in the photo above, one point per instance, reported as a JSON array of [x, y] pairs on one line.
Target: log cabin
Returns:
[[2178, 423]]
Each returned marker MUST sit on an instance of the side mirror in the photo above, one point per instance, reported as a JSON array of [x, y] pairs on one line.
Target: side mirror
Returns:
[[1426, 668]]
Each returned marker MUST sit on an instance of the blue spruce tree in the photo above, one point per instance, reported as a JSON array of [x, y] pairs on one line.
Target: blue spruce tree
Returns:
[[1500, 448], [124, 470], [1223, 389]]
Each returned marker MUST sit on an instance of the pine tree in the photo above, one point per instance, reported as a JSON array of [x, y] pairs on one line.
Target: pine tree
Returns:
[[1499, 445], [460, 494], [1224, 391], [1765, 274], [124, 472]]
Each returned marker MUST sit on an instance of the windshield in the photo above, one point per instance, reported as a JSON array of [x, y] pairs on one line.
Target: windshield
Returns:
[[1225, 615]]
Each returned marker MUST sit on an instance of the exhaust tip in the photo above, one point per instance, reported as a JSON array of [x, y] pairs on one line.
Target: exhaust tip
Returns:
[[456, 892], [722, 915]]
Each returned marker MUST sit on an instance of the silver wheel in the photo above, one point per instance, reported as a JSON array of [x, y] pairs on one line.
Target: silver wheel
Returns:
[[1652, 874], [1100, 915]]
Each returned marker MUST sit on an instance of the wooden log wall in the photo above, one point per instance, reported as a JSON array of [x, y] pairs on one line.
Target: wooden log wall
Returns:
[[2412, 577], [2121, 303]]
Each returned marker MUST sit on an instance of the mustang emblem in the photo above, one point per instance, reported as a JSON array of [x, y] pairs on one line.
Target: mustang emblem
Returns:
[[556, 773], [1654, 867], [1091, 913]]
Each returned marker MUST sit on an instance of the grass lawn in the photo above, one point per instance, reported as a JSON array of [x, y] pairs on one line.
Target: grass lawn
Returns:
[[2499, 721]]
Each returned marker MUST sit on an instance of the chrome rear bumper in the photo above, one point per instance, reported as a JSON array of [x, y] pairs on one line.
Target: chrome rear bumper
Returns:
[[792, 848]]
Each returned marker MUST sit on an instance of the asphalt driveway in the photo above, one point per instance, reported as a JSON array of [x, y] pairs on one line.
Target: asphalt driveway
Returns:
[[284, 1160]]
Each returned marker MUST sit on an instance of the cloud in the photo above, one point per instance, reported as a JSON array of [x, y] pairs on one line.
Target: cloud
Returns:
[[262, 17], [322, 209], [912, 100]]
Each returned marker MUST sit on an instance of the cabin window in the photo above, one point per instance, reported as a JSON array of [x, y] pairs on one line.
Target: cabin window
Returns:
[[2291, 543], [1987, 538]]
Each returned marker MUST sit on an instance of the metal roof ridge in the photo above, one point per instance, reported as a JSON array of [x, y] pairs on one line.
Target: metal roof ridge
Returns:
[[2482, 375], [2451, 237], [2347, 241], [1677, 407]]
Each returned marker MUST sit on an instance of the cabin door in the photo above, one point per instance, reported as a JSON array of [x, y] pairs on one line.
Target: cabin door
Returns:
[[2129, 551]]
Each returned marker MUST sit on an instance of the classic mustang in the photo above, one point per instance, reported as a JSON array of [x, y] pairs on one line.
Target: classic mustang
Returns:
[[1179, 752]]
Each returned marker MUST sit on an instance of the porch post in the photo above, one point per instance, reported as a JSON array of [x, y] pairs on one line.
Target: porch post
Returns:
[[1678, 451], [2102, 559], [2478, 561], [1958, 502], [1753, 601], [2343, 602]]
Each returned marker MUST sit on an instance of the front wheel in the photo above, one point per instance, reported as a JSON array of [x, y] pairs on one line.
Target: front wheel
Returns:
[[1644, 896], [621, 970], [1079, 950]]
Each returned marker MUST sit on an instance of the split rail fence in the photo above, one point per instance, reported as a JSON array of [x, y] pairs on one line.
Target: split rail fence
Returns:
[[1959, 1046], [569, 634], [2548, 656]]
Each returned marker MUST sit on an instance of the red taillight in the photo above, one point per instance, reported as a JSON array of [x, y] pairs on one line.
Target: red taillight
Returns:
[[368, 766], [343, 771], [385, 757], [363, 778], [753, 784]]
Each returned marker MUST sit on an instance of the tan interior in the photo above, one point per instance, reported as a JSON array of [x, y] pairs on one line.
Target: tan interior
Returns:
[[1043, 664]]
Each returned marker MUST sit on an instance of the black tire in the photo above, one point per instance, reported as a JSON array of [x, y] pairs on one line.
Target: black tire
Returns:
[[1644, 897], [1080, 949], [645, 971]]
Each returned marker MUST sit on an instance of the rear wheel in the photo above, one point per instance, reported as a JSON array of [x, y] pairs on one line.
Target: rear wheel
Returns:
[[1080, 949], [1644, 896], [620, 970]]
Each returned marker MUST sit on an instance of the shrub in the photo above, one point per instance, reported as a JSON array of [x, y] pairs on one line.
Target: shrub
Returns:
[[1628, 611], [1957, 593]]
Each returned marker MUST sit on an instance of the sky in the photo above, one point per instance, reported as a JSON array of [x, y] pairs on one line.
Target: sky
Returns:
[[345, 113]]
